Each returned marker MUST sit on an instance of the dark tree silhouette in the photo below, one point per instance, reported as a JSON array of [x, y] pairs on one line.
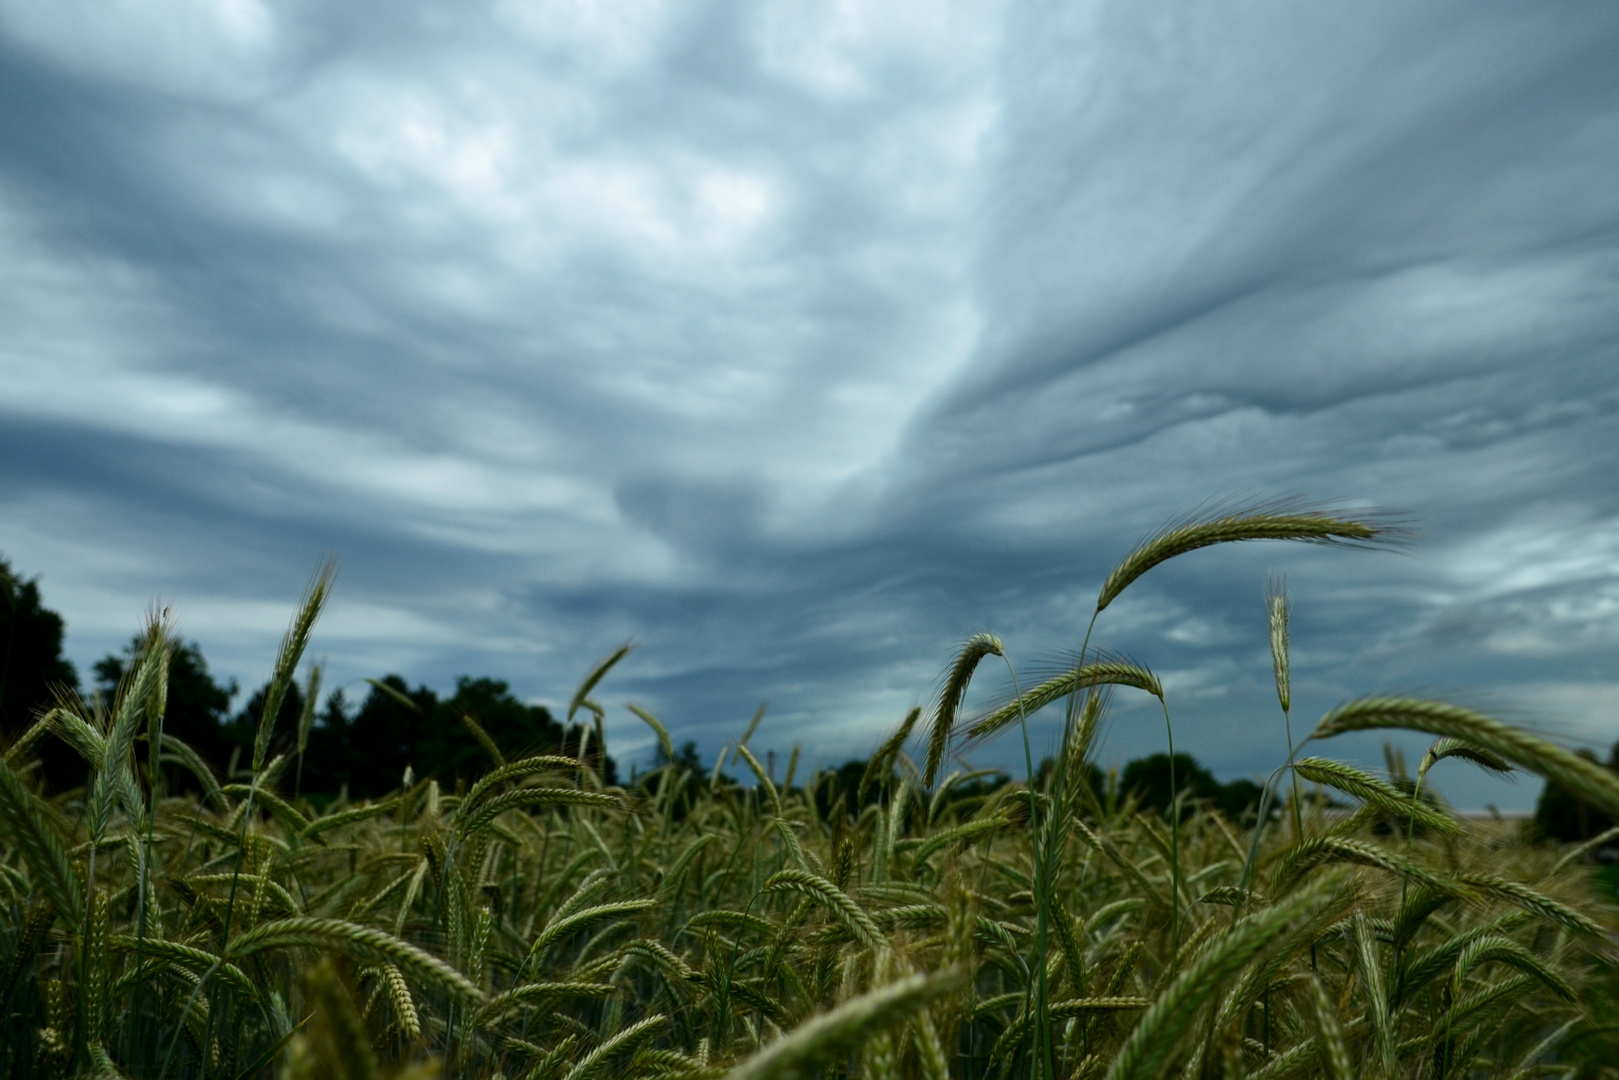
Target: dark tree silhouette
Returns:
[[1148, 778], [1559, 815], [369, 748], [33, 671], [517, 729]]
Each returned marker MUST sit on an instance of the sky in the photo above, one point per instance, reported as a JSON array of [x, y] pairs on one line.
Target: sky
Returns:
[[799, 341]]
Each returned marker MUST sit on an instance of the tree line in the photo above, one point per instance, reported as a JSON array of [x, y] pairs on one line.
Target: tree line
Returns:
[[363, 745], [366, 746]]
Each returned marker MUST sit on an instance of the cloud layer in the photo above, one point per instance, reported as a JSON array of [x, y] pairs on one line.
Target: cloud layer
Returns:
[[800, 341]]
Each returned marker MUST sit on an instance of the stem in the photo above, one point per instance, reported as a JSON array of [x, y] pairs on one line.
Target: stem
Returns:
[[1265, 798], [1046, 854], [1174, 844], [141, 886], [84, 945], [154, 780], [224, 949], [1034, 820], [1410, 834], [1298, 821]]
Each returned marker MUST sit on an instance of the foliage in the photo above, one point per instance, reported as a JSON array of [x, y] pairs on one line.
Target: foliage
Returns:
[[33, 669], [1562, 815], [396, 727], [1148, 779]]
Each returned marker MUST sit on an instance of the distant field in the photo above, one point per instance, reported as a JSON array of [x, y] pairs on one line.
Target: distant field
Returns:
[[915, 921]]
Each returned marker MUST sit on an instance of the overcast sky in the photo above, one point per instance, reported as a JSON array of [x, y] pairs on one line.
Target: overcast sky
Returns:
[[799, 341]]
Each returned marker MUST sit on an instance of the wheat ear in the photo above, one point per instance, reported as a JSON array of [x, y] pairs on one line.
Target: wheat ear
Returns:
[[1103, 673], [955, 687], [1586, 779], [1159, 1033], [828, 1035], [851, 914], [361, 940], [597, 673], [41, 847], [1258, 523], [292, 650]]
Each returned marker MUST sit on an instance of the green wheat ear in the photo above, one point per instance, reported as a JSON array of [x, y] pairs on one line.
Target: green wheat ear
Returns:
[[1276, 521], [33, 835], [598, 672], [878, 768], [291, 651], [955, 687], [829, 1035], [1451, 747], [1587, 779], [337, 1045], [1107, 671], [1277, 610], [1174, 1015]]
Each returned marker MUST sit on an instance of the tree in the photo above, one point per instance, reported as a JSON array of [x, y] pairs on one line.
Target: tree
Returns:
[[1148, 778], [1560, 815], [516, 728], [396, 727], [33, 672]]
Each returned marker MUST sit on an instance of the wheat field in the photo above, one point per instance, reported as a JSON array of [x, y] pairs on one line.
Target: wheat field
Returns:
[[922, 922]]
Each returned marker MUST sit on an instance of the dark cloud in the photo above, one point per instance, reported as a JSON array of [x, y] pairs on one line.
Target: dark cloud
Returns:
[[798, 345]]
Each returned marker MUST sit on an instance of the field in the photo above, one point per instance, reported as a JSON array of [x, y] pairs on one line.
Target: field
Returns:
[[919, 922]]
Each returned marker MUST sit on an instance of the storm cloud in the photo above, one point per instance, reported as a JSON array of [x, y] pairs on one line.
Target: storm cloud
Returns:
[[798, 341]]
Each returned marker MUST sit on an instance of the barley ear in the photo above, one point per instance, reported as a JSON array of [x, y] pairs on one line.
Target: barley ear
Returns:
[[955, 687], [306, 719], [1450, 746], [1334, 1054], [1077, 750], [336, 1032], [596, 675], [361, 941], [1106, 672], [470, 722], [182, 753], [17, 752], [1533, 901], [1376, 792], [877, 769], [828, 1036], [158, 636], [1586, 779], [102, 1067], [1371, 977], [851, 914], [292, 650], [568, 923], [666, 745], [1278, 608], [1280, 521], [1160, 1032], [766, 785], [620, 1043], [41, 848]]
